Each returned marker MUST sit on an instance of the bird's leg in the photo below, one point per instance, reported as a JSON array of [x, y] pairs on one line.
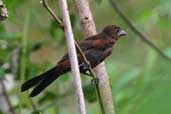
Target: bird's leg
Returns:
[[87, 74], [95, 80], [84, 68]]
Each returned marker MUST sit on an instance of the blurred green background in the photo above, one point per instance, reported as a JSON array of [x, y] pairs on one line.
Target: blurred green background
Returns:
[[31, 42]]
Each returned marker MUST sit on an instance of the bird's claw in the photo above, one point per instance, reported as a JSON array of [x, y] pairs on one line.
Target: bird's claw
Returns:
[[85, 66], [95, 80]]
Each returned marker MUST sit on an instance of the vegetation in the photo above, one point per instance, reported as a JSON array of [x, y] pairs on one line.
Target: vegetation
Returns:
[[31, 42]]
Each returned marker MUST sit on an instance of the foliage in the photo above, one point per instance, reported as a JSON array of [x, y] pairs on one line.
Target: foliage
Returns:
[[140, 79]]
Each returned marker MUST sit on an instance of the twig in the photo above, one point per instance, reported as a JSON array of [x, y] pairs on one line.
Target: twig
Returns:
[[59, 22], [45, 4], [135, 30], [11, 110], [94, 77], [72, 55]]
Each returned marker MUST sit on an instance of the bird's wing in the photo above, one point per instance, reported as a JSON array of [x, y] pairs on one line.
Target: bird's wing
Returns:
[[96, 56], [87, 44], [91, 42]]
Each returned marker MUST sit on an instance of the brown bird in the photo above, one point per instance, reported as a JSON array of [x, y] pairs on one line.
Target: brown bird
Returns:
[[96, 48]]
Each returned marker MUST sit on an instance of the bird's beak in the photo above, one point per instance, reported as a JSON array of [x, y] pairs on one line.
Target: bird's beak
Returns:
[[122, 33]]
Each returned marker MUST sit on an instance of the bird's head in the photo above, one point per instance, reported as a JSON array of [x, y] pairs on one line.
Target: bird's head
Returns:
[[114, 31]]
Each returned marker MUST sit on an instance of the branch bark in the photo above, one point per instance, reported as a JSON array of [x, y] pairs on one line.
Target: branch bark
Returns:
[[72, 55], [59, 22], [88, 29]]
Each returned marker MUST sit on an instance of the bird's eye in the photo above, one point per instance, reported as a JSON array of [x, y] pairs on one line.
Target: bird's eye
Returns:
[[117, 29]]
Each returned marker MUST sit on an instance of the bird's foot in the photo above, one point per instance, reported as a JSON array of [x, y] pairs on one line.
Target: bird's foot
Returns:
[[83, 66], [95, 80]]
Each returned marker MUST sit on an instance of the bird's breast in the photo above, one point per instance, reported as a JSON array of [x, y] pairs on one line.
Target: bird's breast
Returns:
[[112, 41], [99, 43]]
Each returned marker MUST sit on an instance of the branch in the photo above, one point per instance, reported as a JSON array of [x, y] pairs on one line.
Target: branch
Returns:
[[4, 92], [88, 29], [59, 22], [94, 77], [136, 31], [72, 55], [45, 4]]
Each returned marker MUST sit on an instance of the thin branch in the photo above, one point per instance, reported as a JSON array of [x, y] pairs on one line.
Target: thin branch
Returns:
[[4, 92], [45, 4], [72, 55], [94, 77], [136, 31]]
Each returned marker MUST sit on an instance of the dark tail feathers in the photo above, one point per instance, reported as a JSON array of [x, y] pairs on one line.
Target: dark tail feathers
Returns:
[[41, 81]]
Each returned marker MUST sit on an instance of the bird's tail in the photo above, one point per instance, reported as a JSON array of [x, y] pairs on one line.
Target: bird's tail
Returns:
[[43, 80]]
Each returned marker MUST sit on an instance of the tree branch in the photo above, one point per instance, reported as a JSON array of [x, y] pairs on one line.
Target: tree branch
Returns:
[[45, 4], [59, 22], [88, 29], [136, 31], [72, 55]]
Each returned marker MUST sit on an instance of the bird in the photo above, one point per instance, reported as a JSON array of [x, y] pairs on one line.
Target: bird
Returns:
[[96, 49]]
